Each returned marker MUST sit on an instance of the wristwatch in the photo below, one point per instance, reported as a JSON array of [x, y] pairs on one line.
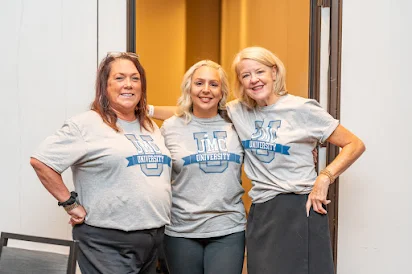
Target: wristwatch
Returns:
[[70, 201]]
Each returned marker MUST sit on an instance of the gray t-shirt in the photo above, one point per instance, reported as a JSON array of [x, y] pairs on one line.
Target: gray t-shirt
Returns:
[[123, 179], [206, 185], [278, 142]]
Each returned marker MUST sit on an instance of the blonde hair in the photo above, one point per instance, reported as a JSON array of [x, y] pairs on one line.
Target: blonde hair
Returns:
[[185, 103], [266, 58]]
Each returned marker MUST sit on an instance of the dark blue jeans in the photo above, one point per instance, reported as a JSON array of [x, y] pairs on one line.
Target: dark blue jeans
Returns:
[[205, 255]]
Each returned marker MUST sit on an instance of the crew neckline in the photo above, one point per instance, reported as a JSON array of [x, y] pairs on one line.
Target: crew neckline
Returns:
[[127, 122], [206, 120], [281, 98]]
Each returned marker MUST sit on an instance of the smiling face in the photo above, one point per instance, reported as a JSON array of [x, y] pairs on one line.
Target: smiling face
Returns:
[[205, 92], [124, 88], [258, 80]]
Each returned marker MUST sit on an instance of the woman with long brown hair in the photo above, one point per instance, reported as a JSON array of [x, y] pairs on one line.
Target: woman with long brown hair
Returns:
[[121, 173]]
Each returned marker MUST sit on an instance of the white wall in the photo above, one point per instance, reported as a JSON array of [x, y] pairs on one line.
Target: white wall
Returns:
[[49, 55], [375, 206], [112, 26]]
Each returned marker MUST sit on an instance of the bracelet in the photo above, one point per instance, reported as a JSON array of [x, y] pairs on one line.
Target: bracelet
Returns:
[[71, 200], [150, 111], [71, 207], [329, 174]]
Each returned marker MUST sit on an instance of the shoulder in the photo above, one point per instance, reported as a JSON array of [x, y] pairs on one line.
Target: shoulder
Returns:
[[300, 103], [234, 104], [88, 122], [296, 100], [173, 122], [155, 126], [237, 109], [89, 117]]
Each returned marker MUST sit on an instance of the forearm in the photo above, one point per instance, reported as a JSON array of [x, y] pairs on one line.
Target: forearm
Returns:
[[51, 180], [348, 155], [164, 112]]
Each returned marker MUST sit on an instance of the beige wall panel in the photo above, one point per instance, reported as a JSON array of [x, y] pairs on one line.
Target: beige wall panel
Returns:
[[298, 47], [281, 26], [202, 31], [230, 35], [160, 42], [268, 26]]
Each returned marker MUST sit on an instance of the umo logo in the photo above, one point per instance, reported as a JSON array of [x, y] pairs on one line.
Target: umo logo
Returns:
[[149, 156], [212, 153], [262, 141]]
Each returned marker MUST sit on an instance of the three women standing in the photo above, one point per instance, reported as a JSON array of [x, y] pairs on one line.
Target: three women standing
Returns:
[[121, 171]]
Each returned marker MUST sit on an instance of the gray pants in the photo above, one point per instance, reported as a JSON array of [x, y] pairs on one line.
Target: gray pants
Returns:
[[282, 240], [206, 255], [111, 251]]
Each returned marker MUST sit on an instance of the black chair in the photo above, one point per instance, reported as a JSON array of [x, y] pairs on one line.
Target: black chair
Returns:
[[15, 260]]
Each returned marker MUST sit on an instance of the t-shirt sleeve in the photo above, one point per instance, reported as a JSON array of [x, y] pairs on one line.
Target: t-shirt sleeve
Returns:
[[164, 127], [319, 123], [230, 106], [62, 149]]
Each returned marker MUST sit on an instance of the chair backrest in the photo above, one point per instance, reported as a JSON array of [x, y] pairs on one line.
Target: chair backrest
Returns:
[[18, 260]]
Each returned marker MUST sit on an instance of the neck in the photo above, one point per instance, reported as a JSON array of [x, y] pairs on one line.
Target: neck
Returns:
[[268, 101], [129, 116], [206, 114]]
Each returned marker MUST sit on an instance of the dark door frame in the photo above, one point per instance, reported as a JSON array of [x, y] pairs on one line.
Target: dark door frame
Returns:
[[334, 78], [131, 26]]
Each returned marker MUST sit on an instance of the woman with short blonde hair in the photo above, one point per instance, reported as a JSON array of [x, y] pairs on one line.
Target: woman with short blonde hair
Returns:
[[287, 229]]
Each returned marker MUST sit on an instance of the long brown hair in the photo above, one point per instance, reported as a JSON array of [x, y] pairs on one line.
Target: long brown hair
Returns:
[[101, 102]]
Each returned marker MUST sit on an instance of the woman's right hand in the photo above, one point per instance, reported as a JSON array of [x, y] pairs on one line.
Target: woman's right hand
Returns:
[[77, 215]]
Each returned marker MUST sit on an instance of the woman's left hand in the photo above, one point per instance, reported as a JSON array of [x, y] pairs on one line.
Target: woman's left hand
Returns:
[[318, 197], [77, 215]]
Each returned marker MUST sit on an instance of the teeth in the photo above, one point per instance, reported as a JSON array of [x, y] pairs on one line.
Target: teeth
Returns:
[[205, 100], [127, 94]]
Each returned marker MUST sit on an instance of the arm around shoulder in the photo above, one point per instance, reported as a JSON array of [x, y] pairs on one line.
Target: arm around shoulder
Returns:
[[163, 112]]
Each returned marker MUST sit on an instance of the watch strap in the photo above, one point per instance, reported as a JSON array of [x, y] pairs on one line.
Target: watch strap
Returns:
[[70, 201]]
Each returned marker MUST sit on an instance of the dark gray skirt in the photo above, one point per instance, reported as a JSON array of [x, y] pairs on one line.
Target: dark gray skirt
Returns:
[[280, 238]]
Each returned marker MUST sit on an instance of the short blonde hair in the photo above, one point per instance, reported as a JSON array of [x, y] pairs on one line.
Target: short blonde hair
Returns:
[[185, 103], [266, 58]]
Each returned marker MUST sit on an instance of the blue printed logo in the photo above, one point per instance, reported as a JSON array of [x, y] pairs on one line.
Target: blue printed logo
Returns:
[[263, 141], [149, 156], [212, 153]]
